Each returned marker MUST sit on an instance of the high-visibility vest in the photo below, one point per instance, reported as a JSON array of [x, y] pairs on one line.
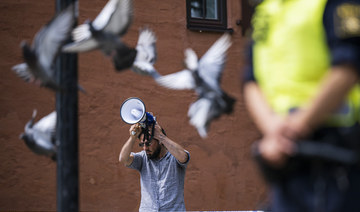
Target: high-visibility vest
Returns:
[[291, 57]]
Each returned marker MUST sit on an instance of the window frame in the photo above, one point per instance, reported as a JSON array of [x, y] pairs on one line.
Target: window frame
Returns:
[[203, 24]]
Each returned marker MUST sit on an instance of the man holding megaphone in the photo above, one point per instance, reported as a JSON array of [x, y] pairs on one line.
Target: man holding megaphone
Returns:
[[162, 162]]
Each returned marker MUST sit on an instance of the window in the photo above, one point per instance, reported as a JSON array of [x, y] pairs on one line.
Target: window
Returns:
[[206, 15]]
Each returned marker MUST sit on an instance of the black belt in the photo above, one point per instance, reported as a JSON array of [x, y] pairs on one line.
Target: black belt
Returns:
[[305, 152]]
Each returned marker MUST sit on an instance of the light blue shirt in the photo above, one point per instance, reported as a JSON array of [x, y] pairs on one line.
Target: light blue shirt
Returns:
[[162, 182]]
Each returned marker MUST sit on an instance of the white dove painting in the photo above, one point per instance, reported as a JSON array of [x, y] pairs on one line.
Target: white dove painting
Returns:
[[203, 76], [40, 136], [38, 67]]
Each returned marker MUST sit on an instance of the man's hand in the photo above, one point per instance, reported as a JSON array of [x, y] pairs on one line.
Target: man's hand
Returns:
[[158, 134], [297, 126], [278, 142], [135, 130], [275, 150], [174, 148]]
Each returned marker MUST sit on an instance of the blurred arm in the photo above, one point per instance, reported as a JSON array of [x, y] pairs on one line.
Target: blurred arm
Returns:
[[274, 146], [335, 87], [260, 111]]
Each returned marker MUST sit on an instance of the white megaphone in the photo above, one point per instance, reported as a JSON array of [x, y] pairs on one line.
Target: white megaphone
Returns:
[[133, 111]]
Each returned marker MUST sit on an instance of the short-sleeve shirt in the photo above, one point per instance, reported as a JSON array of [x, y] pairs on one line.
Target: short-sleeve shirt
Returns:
[[162, 182]]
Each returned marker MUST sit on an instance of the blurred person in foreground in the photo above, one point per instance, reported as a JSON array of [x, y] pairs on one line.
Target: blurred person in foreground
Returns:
[[162, 164], [301, 85]]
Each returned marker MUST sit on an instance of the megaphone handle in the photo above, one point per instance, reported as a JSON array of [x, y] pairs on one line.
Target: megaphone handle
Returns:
[[152, 130]]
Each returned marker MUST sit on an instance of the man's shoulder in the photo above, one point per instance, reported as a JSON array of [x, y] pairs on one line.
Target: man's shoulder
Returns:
[[169, 155], [139, 158], [141, 153]]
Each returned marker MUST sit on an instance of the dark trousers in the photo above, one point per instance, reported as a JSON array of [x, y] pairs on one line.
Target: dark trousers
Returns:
[[314, 185], [320, 189]]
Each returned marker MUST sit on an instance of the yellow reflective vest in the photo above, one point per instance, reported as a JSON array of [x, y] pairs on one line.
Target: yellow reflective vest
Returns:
[[291, 56]]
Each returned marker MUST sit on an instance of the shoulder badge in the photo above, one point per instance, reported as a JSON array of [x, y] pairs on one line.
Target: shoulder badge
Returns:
[[347, 20]]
